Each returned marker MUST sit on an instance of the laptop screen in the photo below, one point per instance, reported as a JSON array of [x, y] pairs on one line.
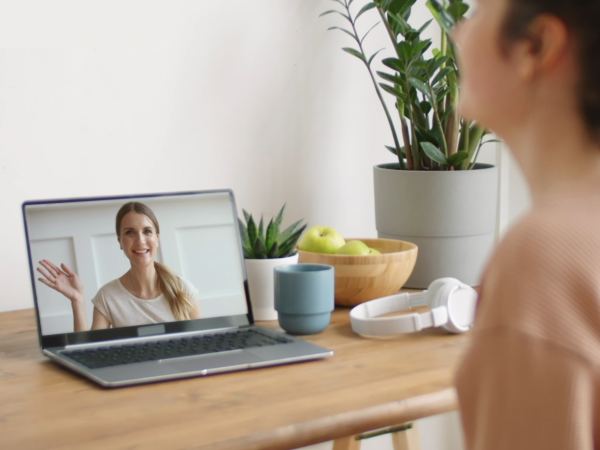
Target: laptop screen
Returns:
[[190, 238]]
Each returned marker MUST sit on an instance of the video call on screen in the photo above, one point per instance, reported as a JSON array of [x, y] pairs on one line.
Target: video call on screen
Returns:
[[198, 242]]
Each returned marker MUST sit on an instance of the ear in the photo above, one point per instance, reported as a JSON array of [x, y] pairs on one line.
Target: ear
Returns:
[[544, 47], [120, 245]]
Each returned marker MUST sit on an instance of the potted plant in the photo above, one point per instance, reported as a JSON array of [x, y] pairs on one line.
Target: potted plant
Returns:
[[436, 196], [264, 249]]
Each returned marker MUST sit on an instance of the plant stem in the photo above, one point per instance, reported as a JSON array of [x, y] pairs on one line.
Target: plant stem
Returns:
[[385, 108], [414, 142], [452, 127], [444, 45], [436, 118], [407, 146]]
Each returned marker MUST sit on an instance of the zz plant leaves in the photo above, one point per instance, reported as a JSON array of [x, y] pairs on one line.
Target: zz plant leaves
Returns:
[[422, 80]]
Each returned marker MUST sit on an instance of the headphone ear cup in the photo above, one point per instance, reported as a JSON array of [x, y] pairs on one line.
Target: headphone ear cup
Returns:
[[439, 290]]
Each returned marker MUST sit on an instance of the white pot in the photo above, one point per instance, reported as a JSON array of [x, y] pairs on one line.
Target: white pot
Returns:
[[449, 215], [262, 285]]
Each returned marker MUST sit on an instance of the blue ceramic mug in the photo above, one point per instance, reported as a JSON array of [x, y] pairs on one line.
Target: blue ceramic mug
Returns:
[[304, 297]]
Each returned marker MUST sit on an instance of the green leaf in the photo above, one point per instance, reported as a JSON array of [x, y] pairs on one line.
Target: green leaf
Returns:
[[352, 35], [252, 231], [457, 10], [356, 53], [401, 6], [245, 240], [271, 237], [457, 158], [394, 63], [446, 114], [288, 246], [367, 33], [402, 24], [246, 215], [284, 236], [404, 50], [392, 150], [436, 63], [397, 80], [373, 56], [426, 135], [420, 48], [280, 215], [423, 88], [425, 107], [418, 69], [441, 74], [260, 251], [424, 27], [274, 250], [276, 225], [443, 92], [433, 152], [333, 11], [443, 18], [261, 228], [394, 90], [364, 9]]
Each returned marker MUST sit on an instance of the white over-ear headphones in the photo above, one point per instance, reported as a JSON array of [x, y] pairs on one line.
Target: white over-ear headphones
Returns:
[[452, 306]]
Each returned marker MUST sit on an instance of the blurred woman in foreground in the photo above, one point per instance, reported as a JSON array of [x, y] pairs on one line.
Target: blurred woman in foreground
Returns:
[[531, 72]]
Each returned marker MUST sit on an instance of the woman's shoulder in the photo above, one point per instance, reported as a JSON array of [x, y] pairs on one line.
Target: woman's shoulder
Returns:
[[557, 233], [112, 287], [543, 278], [188, 287]]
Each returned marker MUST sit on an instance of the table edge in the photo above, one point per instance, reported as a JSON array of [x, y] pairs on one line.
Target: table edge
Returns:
[[344, 424]]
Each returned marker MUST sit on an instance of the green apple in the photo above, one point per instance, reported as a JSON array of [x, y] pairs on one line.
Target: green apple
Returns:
[[357, 248], [354, 248], [321, 239]]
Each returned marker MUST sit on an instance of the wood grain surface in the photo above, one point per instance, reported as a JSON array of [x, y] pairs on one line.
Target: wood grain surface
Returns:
[[368, 384]]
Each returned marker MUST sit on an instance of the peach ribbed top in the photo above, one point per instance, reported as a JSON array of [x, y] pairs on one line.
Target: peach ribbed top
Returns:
[[531, 379]]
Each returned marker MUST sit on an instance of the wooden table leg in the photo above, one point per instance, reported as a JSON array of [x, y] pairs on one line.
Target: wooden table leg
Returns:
[[404, 439], [346, 443], [407, 439]]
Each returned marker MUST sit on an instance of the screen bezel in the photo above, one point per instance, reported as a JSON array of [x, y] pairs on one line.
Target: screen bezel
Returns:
[[83, 337]]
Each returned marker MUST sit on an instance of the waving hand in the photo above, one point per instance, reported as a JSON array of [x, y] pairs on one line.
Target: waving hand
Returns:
[[63, 280]]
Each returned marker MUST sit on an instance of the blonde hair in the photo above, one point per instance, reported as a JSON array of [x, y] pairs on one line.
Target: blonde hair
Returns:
[[167, 282]]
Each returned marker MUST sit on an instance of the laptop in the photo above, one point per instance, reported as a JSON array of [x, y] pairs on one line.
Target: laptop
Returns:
[[199, 242]]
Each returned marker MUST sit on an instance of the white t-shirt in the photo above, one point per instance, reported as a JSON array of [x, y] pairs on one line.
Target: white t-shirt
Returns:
[[123, 309]]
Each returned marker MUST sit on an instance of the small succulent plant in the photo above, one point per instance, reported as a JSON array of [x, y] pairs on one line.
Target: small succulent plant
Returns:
[[261, 243]]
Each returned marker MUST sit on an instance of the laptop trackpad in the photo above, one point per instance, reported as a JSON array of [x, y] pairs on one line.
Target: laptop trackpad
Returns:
[[232, 359]]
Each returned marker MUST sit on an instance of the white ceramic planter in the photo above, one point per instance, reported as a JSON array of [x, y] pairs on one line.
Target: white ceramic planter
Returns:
[[262, 285], [451, 216]]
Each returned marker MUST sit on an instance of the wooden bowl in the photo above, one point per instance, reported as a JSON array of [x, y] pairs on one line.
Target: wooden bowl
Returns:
[[362, 278]]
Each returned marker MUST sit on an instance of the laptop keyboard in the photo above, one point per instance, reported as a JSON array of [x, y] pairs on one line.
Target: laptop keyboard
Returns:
[[96, 358]]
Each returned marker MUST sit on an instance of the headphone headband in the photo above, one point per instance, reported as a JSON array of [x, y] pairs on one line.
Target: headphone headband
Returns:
[[452, 306]]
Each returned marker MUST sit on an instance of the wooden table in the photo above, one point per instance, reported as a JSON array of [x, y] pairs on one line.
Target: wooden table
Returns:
[[368, 384]]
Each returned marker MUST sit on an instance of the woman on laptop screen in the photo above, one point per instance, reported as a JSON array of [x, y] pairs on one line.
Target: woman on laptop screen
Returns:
[[149, 292]]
